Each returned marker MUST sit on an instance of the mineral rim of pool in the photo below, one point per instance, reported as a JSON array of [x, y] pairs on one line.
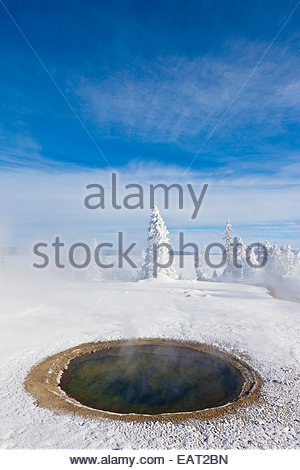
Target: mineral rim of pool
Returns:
[[151, 379]]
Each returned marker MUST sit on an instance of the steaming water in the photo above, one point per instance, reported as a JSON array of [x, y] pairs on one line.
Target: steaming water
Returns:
[[151, 379]]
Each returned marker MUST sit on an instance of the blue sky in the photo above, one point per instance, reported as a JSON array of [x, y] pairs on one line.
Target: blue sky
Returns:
[[150, 80], [154, 84]]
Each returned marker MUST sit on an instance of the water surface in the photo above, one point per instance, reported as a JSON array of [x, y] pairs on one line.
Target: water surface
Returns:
[[151, 379]]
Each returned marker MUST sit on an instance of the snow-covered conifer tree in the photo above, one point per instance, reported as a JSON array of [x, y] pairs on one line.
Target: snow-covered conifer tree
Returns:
[[259, 252], [241, 273], [228, 271], [255, 257], [275, 265], [157, 234], [282, 261], [140, 267], [288, 260], [297, 262], [269, 250], [203, 271]]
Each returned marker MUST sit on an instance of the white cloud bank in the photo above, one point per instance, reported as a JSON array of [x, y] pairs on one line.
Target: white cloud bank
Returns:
[[38, 205]]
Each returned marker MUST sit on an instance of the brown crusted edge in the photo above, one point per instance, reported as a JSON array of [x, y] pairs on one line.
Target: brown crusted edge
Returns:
[[42, 383]]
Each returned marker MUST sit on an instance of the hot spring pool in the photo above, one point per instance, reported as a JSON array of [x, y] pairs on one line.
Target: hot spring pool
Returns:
[[143, 379], [151, 379]]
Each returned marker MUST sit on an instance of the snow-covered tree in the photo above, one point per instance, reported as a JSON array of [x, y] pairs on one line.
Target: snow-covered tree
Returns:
[[297, 262], [259, 253], [282, 261], [275, 265], [140, 267], [157, 235], [241, 273], [203, 271], [253, 261], [288, 259], [228, 271]]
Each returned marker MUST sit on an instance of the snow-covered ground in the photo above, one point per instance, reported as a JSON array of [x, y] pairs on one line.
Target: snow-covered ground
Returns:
[[42, 318]]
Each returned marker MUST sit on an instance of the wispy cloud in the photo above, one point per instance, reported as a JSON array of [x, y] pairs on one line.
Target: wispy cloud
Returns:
[[289, 94], [176, 99], [19, 150]]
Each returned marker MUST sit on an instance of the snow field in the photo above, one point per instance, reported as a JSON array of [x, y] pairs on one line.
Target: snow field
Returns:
[[42, 318]]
